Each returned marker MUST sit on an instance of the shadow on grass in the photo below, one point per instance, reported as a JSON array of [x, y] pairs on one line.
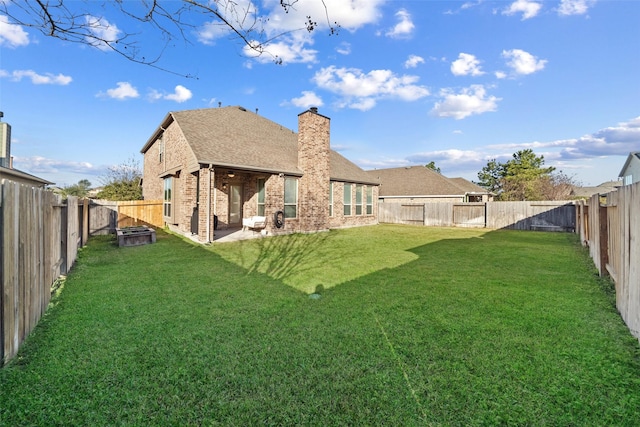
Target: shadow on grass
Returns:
[[489, 329], [280, 256]]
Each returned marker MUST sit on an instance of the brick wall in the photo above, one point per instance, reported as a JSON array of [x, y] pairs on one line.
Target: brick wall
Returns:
[[174, 158], [313, 160], [340, 220]]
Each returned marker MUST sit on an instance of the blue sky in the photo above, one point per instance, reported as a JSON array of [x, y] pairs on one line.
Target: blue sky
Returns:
[[404, 83]]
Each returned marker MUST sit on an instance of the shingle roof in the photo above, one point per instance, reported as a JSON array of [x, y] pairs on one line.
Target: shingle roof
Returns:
[[605, 187], [235, 137], [414, 181], [421, 181], [468, 186]]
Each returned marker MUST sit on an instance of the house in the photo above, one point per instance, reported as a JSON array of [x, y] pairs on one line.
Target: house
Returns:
[[219, 167], [630, 172], [7, 171], [419, 184], [587, 192]]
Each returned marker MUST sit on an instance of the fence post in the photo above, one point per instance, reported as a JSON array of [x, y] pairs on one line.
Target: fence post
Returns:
[[604, 241], [63, 237], [84, 230]]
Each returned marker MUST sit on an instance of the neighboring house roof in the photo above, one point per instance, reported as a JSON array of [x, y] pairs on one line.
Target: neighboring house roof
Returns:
[[468, 186], [417, 181], [605, 187], [633, 157], [20, 176], [236, 138]]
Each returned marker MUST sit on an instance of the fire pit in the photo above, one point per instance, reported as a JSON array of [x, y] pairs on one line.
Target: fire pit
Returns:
[[135, 236]]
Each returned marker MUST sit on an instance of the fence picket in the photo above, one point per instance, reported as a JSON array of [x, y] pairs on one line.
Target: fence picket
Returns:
[[39, 240], [622, 258]]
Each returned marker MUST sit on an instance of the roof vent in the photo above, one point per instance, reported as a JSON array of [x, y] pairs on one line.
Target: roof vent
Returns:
[[242, 109], [314, 110]]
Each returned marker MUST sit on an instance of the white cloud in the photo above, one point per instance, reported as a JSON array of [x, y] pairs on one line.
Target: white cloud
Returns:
[[180, 94], [471, 100], [344, 48], [413, 61], [211, 31], [103, 32], [528, 8], [37, 79], [12, 35], [38, 164], [523, 62], [123, 91], [617, 140], [351, 15], [574, 7], [465, 65], [361, 90], [287, 32], [308, 99], [404, 28], [289, 49], [500, 75]]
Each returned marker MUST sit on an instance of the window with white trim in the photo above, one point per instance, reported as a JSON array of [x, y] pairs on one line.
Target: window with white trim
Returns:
[[260, 189], [290, 197], [166, 203], [359, 199], [347, 199], [369, 200]]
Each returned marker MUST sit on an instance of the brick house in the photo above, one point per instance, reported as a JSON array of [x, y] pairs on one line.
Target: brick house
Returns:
[[214, 167], [419, 184]]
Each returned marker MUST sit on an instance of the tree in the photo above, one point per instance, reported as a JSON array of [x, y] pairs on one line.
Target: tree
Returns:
[[432, 165], [122, 182], [490, 176], [78, 22], [81, 189], [557, 186], [523, 177]]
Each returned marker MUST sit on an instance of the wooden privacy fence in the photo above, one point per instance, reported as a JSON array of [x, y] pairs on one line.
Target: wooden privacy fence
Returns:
[[39, 239], [106, 215], [552, 216], [610, 226]]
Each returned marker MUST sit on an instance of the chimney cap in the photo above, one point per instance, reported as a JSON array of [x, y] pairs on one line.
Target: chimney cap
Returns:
[[314, 110]]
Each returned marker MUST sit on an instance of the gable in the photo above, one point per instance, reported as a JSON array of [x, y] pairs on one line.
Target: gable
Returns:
[[631, 167], [238, 139]]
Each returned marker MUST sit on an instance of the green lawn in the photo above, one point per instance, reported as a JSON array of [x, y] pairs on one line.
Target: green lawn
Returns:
[[414, 326]]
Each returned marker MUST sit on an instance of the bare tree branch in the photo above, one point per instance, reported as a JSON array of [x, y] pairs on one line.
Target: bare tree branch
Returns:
[[74, 21]]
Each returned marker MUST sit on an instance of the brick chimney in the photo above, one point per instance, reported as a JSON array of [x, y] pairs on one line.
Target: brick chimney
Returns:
[[313, 160]]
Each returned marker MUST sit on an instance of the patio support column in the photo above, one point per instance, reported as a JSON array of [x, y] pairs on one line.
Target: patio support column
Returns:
[[209, 192]]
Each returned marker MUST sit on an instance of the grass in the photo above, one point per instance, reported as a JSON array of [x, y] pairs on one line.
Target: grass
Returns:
[[415, 326]]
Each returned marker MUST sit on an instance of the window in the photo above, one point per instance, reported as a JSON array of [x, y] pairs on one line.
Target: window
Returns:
[[166, 204], [290, 197], [331, 198], [160, 148], [347, 199], [261, 196], [369, 200], [358, 199]]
